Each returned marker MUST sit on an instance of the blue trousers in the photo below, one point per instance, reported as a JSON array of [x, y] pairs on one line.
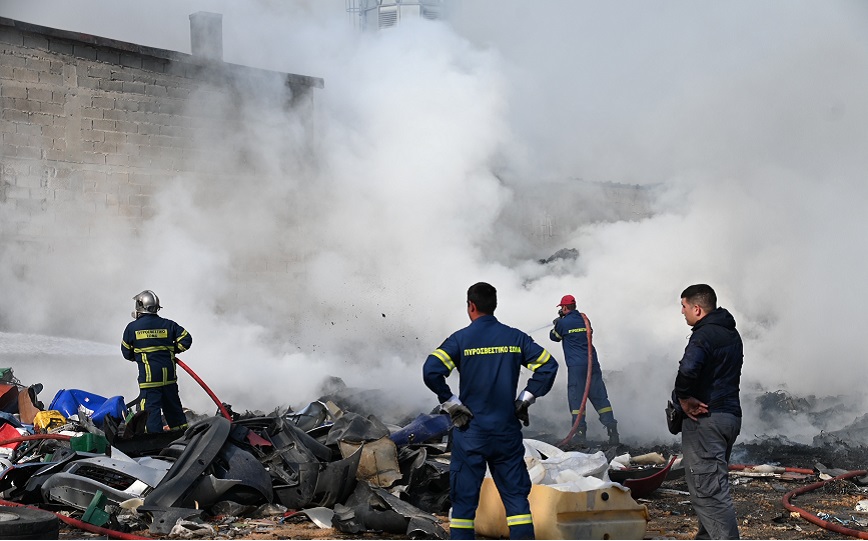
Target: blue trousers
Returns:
[[504, 455], [159, 401], [707, 445], [577, 375]]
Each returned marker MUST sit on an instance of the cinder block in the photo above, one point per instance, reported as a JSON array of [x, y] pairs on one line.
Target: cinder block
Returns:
[[60, 46], [13, 60], [104, 147], [133, 61], [121, 160], [111, 86], [127, 104], [25, 75], [28, 106], [91, 112], [115, 138], [134, 87], [107, 55], [84, 51], [55, 82], [28, 129], [35, 41], [38, 94], [87, 82], [104, 125], [100, 71], [11, 36], [102, 102], [31, 153], [38, 64], [92, 157], [54, 109], [12, 90]]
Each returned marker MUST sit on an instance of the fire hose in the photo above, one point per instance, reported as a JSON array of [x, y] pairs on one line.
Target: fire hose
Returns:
[[811, 517], [207, 389], [581, 412], [81, 525], [71, 521], [814, 519]]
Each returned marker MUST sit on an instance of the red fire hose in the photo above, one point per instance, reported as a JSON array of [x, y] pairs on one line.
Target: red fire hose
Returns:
[[587, 383], [810, 517], [207, 389], [32, 437], [112, 534]]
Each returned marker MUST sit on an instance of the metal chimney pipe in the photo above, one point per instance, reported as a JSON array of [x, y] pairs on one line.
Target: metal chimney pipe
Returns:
[[206, 35]]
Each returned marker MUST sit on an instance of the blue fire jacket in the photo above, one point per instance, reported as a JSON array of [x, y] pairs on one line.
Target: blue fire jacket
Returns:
[[571, 329], [489, 356], [710, 369], [152, 341]]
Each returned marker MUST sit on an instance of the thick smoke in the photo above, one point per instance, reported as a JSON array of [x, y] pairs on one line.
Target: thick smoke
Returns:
[[424, 167]]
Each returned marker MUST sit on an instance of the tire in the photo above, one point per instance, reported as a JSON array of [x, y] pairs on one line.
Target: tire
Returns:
[[28, 523]]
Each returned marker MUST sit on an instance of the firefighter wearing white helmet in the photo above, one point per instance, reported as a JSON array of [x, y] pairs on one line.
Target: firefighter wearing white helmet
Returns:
[[151, 342]]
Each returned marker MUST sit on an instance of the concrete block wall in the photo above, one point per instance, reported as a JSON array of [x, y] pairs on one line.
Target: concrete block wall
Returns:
[[91, 127]]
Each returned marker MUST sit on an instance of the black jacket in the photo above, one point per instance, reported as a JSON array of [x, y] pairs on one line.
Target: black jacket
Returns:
[[710, 369]]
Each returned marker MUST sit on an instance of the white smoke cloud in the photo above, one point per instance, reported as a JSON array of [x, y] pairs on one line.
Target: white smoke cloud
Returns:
[[748, 120]]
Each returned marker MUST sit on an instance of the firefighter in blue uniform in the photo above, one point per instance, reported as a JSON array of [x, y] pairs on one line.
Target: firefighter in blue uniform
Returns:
[[571, 328], [486, 414], [152, 342]]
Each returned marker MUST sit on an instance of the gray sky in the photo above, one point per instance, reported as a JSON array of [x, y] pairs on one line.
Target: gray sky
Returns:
[[751, 115]]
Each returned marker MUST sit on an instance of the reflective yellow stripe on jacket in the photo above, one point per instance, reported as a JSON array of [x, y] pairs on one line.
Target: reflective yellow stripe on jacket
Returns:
[[541, 360], [444, 358]]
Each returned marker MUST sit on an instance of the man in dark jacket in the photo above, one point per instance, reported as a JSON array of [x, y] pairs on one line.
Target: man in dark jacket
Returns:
[[707, 390], [486, 413], [152, 342], [574, 329]]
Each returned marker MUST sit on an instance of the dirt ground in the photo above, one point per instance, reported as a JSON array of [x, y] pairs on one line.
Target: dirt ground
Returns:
[[758, 501]]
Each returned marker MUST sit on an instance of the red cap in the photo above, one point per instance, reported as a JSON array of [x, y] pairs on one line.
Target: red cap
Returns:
[[567, 300]]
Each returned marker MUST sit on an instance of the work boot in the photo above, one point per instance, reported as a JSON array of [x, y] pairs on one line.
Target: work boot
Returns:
[[613, 435], [579, 438]]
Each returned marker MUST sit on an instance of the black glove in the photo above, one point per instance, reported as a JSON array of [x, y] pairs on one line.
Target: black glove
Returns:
[[457, 411], [521, 408], [555, 321]]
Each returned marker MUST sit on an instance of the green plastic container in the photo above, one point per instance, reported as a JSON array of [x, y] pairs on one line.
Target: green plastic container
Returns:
[[89, 443]]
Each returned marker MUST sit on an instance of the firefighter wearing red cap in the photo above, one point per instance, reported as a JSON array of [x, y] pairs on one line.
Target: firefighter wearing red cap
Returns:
[[571, 328]]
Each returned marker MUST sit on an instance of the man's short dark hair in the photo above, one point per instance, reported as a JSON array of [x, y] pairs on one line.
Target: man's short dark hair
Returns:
[[701, 294], [484, 296]]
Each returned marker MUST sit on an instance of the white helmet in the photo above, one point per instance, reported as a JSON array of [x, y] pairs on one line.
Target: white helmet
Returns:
[[147, 302]]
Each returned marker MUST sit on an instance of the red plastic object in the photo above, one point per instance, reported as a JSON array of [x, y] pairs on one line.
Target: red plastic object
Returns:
[[7, 432], [642, 481]]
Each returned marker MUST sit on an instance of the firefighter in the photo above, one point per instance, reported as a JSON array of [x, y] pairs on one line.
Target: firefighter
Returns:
[[486, 415], [152, 342], [571, 328]]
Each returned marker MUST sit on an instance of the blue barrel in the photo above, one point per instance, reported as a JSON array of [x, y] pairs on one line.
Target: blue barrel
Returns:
[[423, 428], [67, 402]]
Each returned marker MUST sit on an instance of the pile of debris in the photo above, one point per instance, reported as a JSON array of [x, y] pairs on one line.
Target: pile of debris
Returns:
[[88, 458]]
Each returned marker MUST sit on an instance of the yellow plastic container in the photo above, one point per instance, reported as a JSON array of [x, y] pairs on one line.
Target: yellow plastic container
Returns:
[[608, 513], [48, 420]]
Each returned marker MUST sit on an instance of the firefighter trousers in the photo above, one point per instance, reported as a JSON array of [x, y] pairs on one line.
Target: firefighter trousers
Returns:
[[159, 401], [504, 455], [598, 396]]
